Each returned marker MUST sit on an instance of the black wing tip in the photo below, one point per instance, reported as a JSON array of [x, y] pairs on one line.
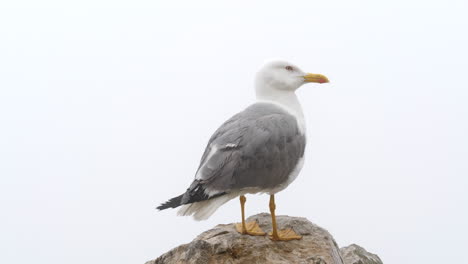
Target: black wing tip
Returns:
[[172, 203]]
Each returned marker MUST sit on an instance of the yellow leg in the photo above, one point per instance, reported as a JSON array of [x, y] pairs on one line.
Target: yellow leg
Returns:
[[281, 235], [249, 228]]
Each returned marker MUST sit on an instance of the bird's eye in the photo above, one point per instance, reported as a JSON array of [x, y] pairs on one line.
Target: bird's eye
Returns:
[[289, 68]]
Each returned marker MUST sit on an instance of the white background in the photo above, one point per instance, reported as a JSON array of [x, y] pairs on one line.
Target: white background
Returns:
[[106, 107]]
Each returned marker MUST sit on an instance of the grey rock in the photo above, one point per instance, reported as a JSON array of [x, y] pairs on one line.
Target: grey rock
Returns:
[[223, 244], [354, 254]]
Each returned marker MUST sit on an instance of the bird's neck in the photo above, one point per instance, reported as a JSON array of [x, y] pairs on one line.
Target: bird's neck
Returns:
[[285, 99]]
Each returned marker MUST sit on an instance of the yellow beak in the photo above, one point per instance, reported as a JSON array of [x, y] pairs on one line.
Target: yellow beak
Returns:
[[317, 78]]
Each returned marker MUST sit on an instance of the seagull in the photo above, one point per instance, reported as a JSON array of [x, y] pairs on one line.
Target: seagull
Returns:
[[258, 150]]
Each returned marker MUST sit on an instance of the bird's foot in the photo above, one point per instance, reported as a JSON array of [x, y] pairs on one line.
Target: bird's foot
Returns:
[[251, 228], [284, 235]]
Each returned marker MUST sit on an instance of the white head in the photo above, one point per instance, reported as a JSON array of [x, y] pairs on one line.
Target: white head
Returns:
[[277, 76]]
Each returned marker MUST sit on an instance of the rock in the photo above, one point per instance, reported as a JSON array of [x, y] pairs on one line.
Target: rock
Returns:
[[223, 244], [354, 254]]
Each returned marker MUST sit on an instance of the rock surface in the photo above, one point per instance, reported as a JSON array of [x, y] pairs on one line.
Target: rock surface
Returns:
[[223, 244], [354, 254]]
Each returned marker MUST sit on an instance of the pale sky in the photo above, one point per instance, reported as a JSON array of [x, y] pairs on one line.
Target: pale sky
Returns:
[[106, 107]]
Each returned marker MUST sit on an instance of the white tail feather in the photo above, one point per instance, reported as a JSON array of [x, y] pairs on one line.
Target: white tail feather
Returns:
[[204, 209]]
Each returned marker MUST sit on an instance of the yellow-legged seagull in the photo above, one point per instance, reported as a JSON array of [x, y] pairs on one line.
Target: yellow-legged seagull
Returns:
[[259, 150]]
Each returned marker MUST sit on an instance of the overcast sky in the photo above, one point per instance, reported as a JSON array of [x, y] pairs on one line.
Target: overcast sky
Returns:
[[106, 107]]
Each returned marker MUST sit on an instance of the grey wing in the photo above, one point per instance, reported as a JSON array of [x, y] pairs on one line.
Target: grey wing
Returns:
[[257, 148]]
